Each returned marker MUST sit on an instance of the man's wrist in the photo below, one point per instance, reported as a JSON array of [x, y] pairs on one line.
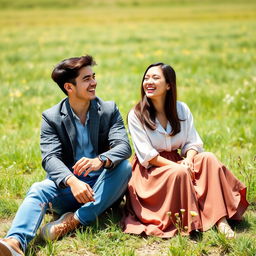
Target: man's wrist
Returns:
[[70, 179], [103, 159], [106, 162]]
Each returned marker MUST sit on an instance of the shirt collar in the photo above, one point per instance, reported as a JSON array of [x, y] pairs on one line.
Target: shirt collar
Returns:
[[160, 128], [78, 119]]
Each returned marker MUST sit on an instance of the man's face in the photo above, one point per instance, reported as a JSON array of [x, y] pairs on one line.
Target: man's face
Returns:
[[85, 85]]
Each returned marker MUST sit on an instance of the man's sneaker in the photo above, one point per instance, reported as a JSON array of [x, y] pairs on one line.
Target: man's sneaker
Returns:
[[7, 250], [60, 227]]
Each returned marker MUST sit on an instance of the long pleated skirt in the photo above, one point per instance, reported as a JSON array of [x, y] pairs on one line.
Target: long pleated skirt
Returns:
[[162, 201]]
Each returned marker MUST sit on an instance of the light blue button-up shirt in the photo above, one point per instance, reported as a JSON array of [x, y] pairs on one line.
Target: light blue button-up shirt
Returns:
[[84, 146]]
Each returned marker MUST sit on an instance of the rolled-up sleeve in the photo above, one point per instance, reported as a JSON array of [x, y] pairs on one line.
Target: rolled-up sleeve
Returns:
[[141, 142], [193, 140]]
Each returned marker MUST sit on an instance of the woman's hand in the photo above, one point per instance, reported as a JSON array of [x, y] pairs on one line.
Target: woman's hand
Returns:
[[186, 162]]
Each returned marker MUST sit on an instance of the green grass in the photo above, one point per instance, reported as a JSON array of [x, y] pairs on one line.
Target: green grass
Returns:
[[62, 4], [212, 48]]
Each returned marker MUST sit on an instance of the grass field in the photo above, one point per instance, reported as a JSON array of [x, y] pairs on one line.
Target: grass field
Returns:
[[210, 44]]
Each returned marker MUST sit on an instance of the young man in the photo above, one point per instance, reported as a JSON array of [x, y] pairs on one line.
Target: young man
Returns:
[[84, 146]]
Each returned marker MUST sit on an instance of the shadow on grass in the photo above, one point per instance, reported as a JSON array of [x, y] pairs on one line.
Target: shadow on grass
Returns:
[[196, 236], [247, 223], [240, 226], [110, 216]]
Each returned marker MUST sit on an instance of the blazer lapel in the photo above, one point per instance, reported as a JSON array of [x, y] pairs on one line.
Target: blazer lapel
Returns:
[[69, 125], [94, 125]]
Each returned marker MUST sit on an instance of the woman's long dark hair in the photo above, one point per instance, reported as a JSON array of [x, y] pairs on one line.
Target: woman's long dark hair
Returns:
[[145, 110]]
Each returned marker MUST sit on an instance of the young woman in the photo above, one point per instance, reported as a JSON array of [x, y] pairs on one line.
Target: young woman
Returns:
[[169, 190]]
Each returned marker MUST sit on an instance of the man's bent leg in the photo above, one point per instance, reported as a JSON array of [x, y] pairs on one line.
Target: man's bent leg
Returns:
[[109, 187], [31, 212]]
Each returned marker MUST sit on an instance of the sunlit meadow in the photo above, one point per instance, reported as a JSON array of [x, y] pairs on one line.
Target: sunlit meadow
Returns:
[[211, 45]]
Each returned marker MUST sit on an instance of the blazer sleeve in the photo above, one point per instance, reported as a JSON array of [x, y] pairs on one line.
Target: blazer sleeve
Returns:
[[51, 149], [119, 146]]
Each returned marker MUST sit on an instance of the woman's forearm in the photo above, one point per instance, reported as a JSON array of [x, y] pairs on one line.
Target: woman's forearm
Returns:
[[161, 161]]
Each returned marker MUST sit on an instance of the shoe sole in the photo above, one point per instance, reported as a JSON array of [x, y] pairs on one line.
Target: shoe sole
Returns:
[[6, 250]]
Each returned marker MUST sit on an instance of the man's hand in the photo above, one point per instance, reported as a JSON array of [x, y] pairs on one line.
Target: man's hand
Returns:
[[87, 165], [80, 190], [189, 165]]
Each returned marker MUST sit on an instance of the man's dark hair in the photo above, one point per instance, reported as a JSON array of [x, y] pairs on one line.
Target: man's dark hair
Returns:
[[68, 70]]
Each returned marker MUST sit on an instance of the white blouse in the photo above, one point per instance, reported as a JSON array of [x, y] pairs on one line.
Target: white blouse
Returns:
[[148, 143]]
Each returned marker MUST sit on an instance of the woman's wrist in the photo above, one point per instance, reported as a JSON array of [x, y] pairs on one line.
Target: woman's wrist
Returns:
[[190, 154]]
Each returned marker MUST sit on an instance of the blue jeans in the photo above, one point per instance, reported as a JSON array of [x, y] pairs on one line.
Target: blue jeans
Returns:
[[108, 187]]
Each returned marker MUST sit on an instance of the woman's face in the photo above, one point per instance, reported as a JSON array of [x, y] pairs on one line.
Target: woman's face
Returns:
[[154, 83]]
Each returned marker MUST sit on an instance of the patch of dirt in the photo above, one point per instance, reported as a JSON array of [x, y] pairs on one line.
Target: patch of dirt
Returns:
[[153, 249], [4, 226]]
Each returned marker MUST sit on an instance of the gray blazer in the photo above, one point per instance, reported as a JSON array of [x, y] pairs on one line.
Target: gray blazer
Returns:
[[58, 137]]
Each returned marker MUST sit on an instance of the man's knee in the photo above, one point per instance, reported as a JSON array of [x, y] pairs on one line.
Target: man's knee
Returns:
[[39, 189], [125, 169], [36, 188]]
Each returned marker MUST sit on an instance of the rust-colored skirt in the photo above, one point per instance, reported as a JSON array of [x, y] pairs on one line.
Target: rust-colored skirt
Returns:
[[157, 193]]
